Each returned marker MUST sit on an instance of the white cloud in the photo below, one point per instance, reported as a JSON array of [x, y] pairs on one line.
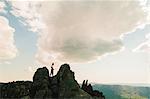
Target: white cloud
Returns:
[[79, 31], [7, 48], [145, 46], [28, 11]]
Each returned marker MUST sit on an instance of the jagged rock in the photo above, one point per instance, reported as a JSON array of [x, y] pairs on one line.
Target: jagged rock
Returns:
[[68, 86], [89, 89]]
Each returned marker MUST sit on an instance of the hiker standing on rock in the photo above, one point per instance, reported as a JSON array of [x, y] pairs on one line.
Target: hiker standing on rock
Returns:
[[52, 70]]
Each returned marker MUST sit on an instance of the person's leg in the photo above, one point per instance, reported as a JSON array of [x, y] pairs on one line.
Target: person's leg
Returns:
[[52, 73]]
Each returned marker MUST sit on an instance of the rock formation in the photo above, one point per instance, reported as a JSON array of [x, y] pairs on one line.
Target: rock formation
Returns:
[[41, 85], [89, 89], [62, 85]]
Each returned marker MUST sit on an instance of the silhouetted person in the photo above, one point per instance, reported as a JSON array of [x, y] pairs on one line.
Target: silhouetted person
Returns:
[[52, 64], [52, 70]]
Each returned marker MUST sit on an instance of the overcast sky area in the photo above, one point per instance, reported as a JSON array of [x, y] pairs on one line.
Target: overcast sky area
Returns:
[[104, 41]]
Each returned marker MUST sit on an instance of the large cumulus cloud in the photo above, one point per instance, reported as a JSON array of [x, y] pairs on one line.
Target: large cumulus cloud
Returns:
[[78, 31], [8, 49]]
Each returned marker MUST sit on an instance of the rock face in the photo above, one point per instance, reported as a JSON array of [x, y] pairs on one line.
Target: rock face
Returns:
[[61, 86], [67, 85], [41, 87]]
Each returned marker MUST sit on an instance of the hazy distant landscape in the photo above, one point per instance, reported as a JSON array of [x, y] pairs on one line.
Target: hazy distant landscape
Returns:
[[124, 91]]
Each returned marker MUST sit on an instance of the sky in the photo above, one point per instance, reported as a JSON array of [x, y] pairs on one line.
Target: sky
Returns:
[[103, 41]]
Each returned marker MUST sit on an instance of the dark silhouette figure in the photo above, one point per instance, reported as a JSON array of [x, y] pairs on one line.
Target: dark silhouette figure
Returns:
[[52, 70]]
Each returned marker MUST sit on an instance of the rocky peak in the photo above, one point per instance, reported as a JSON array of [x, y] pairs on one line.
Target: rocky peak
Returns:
[[40, 74], [61, 86], [68, 86], [41, 85], [65, 73]]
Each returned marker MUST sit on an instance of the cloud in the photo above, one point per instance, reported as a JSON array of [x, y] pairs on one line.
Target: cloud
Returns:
[[145, 46], [27, 11], [7, 48], [80, 31]]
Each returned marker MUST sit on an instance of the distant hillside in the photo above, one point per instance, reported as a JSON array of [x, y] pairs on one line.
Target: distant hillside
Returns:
[[123, 91]]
